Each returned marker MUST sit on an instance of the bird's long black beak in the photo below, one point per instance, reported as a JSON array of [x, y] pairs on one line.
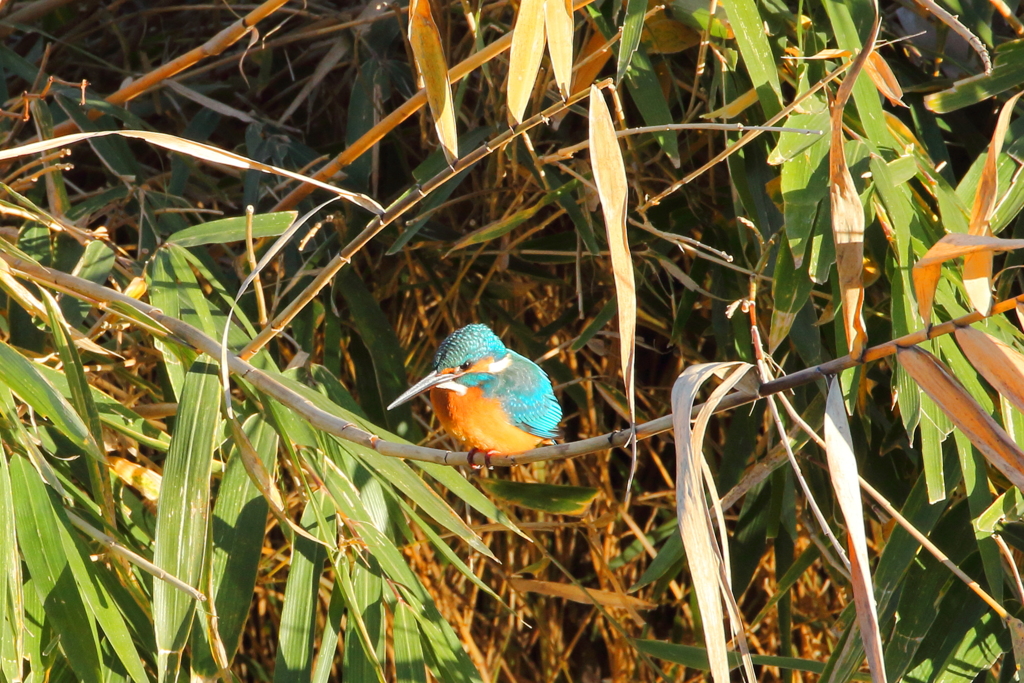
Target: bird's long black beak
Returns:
[[428, 382]]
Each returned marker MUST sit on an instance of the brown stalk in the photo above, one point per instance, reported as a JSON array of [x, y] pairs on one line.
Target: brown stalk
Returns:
[[220, 42]]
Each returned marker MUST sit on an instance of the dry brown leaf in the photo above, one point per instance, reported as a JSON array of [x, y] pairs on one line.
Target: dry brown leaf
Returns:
[[734, 108], [997, 361], [198, 150], [261, 478], [847, 212], [558, 17], [978, 266], [524, 57], [704, 557], [610, 178], [884, 79], [587, 596], [433, 69], [594, 55], [984, 432], [928, 268], [842, 467]]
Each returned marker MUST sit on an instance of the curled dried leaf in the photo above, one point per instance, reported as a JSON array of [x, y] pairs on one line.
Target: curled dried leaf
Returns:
[[842, 467], [969, 417], [977, 251]]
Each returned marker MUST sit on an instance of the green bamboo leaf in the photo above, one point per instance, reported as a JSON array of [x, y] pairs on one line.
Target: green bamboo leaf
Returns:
[[94, 266], [632, 27], [24, 380], [748, 25], [183, 511], [645, 89], [233, 229], [239, 518], [356, 629], [409, 664], [100, 602], [329, 636], [47, 561], [81, 398], [791, 288], [388, 357], [111, 413], [163, 294], [1007, 72], [12, 608], [559, 500], [364, 654], [298, 617]]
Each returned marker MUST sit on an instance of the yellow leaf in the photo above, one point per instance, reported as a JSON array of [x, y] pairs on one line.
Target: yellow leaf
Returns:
[[666, 36], [524, 59], [433, 68], [734, 108], [977, 251], [986, 435], [999, 363], [610, 178], [707, 561], [594, 55], [559, 27], [884, 79]]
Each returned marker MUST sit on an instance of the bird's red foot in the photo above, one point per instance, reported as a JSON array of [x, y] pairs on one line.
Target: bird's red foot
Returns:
[[487, 457]]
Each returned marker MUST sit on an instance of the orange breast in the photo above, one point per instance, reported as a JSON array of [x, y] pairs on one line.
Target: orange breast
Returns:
[[479, 423]]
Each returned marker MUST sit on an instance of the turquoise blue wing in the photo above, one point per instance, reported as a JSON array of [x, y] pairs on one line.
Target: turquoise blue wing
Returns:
[[526, 395]]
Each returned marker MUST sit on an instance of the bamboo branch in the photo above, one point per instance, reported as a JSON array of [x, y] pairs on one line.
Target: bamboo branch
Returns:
[[343, 429], [220, 42]]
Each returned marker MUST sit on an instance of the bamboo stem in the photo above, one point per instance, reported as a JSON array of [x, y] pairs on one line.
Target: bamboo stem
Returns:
[[349, 431]]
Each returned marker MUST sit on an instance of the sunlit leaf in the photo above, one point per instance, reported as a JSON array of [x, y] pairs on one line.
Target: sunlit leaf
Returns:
[[524, 58], [433, 68], [610, 178], [842, 467]]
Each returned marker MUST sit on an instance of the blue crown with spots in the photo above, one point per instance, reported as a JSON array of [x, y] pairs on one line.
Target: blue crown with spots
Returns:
[[468, 344]]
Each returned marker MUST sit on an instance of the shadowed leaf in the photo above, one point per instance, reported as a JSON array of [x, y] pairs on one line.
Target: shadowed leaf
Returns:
[[558, 500]]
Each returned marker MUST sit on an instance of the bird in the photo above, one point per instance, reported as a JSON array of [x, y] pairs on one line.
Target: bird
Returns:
[[487, 397]]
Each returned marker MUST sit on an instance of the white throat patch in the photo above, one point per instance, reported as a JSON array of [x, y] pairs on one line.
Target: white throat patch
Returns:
[[499, 365], [453, 386]]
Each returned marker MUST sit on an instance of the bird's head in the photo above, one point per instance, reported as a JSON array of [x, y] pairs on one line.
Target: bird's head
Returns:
[[469, 357]]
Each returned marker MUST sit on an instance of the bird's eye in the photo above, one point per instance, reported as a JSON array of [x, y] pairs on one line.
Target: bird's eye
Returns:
[[466, 366]]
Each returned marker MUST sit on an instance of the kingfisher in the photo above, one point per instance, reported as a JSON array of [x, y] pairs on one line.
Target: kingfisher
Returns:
[[488, 397]]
